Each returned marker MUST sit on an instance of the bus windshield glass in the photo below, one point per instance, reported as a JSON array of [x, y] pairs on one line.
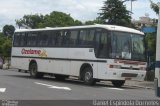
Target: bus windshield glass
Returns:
[[127, 46]]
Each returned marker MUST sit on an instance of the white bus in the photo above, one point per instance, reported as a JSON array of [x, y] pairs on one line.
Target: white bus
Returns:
[[91, 53]]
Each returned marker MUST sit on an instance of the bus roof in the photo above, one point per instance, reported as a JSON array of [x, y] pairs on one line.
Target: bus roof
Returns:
[[108, 27]]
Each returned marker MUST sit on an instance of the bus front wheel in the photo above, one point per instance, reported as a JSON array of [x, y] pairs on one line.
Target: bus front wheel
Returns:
[[88, 76], [33, 71], [118, 83]]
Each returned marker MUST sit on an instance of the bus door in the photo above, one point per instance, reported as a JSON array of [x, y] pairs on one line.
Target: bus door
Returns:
[[101, 51]]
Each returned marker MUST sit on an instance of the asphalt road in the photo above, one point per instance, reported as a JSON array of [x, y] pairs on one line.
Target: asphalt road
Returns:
[[19, 86]]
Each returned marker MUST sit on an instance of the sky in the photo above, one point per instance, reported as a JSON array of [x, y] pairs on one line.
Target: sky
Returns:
[[83, 10]]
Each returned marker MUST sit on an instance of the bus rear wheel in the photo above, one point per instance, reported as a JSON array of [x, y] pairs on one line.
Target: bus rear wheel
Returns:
[[33, 71], [118, 83], [87, 76]]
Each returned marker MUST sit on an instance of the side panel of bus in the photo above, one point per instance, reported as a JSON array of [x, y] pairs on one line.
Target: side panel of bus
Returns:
[[17, 61], [80, 56], [55, 60], [61, 65]]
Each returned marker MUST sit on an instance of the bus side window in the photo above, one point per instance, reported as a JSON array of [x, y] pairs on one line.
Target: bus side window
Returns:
[[16, 39], [73, 38], [59, 38], [92, 37], [103, 45], [97, 37], [32, 39], [52, 39], [82, 37], [66, 36], [23, 39], [43, 38], [86, 38]]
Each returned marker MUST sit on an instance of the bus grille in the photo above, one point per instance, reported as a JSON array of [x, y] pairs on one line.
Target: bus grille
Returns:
[[129, 75], [131, 68]]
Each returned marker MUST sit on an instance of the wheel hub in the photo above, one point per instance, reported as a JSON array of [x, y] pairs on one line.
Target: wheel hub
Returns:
[[88, 76], [33, 71]]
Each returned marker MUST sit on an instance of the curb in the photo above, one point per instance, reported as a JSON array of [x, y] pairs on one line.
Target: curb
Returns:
[[140, 86]]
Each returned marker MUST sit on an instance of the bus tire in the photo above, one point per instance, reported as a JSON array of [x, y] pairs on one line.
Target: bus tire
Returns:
[[87, 76], [61, 77], [118, 83], [34, 72]]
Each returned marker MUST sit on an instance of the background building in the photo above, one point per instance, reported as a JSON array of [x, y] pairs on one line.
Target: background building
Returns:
[[146, 24]]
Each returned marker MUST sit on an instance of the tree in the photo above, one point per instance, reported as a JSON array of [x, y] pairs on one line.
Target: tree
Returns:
[[1, 42], [59, 19], [96, 21], [8, 30], [19, 23], [5, 45], [30, 21], [54, 19], [115, 12], [150, 40], [154, 6], [77, 22]]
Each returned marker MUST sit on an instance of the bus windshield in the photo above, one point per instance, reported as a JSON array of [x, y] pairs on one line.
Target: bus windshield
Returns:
[[127, 46]]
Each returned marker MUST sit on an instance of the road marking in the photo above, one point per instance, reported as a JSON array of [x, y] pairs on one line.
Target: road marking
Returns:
[[52, 86], [2, 90], [116, 89]]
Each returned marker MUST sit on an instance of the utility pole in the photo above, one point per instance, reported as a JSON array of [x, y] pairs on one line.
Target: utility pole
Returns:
[[131, 5], [157, 66]]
